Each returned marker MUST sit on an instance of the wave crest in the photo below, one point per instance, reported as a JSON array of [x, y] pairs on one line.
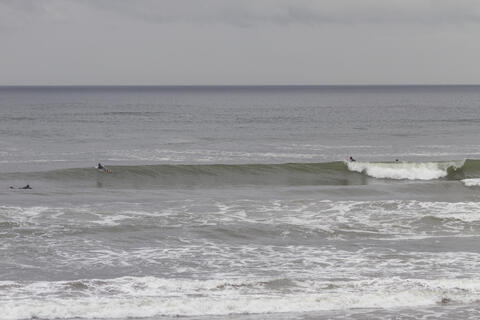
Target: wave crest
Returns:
[[292, 174]]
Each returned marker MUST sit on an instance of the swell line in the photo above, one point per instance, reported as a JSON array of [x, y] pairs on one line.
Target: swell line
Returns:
[[324, 173]]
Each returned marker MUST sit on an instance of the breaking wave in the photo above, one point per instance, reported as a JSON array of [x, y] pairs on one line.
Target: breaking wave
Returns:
[[327, 173], [406, 170], [132, 297], [475, 182]]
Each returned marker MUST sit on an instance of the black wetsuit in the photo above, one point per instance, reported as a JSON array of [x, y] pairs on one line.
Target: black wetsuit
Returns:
[[26, 187]]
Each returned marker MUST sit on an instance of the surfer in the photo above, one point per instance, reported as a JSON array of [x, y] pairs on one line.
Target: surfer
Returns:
[[352, 160], [25, 187], [101, 167]]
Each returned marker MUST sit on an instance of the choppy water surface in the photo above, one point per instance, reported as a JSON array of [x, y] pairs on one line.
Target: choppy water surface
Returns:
[[237, 203]]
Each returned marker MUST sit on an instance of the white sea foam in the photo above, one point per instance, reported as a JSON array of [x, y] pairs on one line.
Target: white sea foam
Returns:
[[225, 291], [390, 218], [149, 296], [471, 182], [403, 170], [22, 215], [369, 214]]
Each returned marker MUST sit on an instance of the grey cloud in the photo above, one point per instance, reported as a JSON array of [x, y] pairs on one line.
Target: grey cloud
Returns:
[[239, 42], [254, 12], [22, 13]]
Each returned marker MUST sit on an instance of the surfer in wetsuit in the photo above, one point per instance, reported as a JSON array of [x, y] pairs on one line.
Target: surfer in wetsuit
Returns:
[[26, 187], [351, 159], [100, 167]]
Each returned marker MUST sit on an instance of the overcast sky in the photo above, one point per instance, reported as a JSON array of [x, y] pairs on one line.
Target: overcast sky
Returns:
[[228, 42]]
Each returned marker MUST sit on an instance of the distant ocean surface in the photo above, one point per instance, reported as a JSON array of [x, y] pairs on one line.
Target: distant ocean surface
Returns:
[[240, 202]]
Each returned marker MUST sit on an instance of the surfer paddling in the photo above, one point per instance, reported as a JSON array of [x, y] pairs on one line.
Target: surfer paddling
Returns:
[[24, 188], [351, 159]]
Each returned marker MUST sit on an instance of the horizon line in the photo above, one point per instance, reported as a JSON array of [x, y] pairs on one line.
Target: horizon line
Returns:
[[239, 85]]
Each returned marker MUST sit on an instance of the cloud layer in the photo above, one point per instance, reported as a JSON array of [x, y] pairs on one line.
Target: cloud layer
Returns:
[[239, 42], [247, 12]]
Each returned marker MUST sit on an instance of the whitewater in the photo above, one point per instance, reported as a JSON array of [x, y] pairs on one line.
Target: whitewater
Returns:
[[239, 202]]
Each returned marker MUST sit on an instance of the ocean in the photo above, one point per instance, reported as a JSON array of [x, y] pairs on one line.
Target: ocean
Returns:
[[240, 202]]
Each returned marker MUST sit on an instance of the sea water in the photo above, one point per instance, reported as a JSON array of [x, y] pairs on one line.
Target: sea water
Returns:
[[239, 202]]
